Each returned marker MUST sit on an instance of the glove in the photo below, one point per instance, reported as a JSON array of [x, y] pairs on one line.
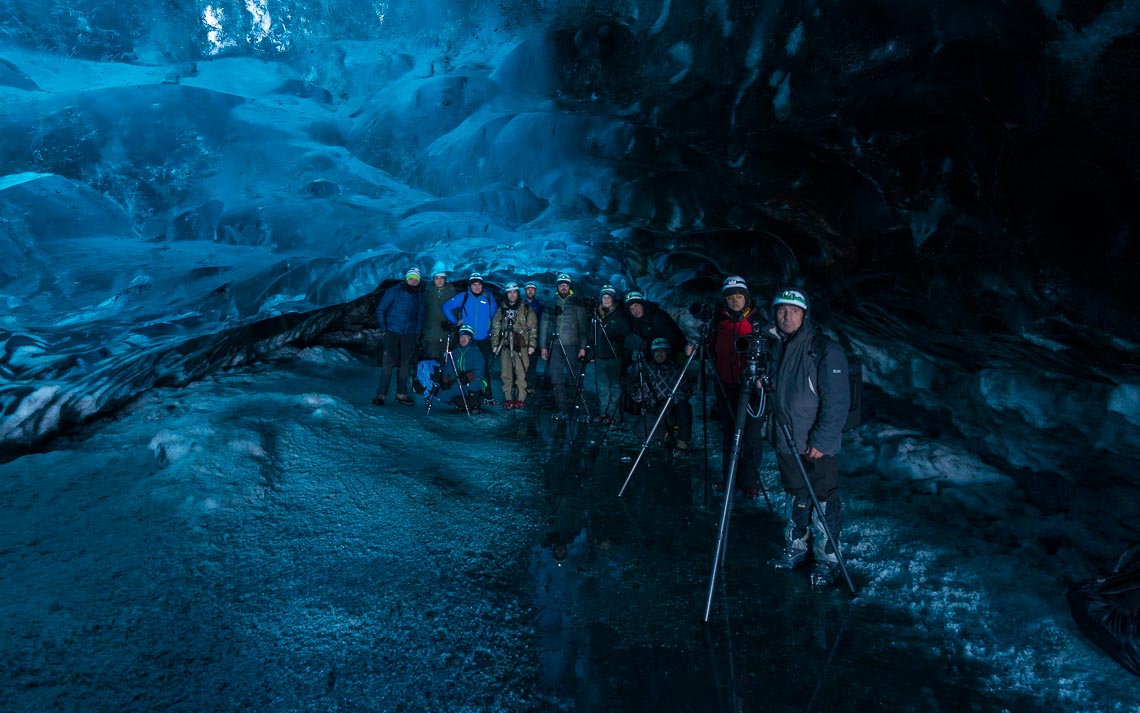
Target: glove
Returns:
[[469, 376]]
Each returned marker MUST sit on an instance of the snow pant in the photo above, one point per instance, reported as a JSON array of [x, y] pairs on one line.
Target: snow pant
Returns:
[[484, 347], [399, 351], [563, 370], [608, 374], [751, 439], [824, 474], [514, 366], [679, 415]]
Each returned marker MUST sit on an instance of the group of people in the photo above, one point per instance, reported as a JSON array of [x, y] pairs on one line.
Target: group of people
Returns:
[[790, 380]]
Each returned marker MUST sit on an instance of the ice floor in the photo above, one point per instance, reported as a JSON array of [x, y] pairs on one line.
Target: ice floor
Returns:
[[268, 540]]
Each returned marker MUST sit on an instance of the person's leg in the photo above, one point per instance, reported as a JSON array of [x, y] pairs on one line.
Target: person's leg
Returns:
[[797, 545], [558, 368], [389, 353], [521, 365], [407, 350], [506, 374]]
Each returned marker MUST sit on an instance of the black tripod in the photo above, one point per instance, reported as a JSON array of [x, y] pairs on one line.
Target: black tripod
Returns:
[[429, 396], [747, 383]]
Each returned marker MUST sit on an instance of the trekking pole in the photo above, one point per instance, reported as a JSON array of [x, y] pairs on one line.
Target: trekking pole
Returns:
[[815, 503], [664, 408], [746, 382]]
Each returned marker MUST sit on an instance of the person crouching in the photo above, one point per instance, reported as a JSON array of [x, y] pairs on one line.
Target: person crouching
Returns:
[[462, 369]]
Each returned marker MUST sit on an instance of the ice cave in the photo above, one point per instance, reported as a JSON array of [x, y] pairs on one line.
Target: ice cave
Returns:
[[203, 204]]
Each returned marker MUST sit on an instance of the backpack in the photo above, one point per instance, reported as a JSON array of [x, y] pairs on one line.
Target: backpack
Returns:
[[854, 380]]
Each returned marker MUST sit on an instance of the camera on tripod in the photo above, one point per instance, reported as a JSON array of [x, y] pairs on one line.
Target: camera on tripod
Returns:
[[754, 346], [701, 310]]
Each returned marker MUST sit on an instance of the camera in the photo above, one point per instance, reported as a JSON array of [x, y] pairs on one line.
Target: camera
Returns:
[[753, 345], [701, 310]]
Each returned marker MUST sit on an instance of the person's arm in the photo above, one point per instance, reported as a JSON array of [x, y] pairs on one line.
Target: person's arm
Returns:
[[382, 309], [826, 434], [496, 330], [448, 307]]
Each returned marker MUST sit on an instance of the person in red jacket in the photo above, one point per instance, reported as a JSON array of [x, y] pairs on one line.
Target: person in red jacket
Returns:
[[736, 319]]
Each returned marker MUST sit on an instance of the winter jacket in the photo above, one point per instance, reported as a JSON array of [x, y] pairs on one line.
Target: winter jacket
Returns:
[[475, 311], [727, 328], [658, 383], [566, 317], [466, 361], [615, 322], [401, 310], [434, 299], [653, 324], [810, 391], [535, 306], [519, 320]]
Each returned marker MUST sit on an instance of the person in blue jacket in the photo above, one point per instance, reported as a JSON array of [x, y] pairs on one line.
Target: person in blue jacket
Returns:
[[400, 316], [461, 378], [475, 308]]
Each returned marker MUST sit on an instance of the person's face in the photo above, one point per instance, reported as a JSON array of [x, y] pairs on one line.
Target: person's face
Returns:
[[563, 289], [531, 292], [607, 301], [736, 302], [476, 288], [660, 355], [512, 295], [412, 282], [464, 339], [637, 310], [789, 318], [439, 281]]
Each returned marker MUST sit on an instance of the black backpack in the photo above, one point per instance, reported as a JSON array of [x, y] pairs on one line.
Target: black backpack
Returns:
[[854, 380]]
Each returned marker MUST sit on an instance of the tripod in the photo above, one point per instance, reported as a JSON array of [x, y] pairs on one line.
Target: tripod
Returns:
[[430, 395], [660, 416], [463, 391], [747, 381]]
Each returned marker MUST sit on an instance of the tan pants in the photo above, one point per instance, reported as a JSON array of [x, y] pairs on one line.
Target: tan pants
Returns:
[[514, 366]]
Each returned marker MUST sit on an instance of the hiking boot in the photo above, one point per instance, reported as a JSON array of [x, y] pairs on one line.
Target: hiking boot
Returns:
[[379, 400], [795, 555], [824, 574], [404, 399], [520, 405]]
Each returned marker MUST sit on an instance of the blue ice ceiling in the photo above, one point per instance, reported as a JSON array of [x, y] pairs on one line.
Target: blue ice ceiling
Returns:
[[187, 188]]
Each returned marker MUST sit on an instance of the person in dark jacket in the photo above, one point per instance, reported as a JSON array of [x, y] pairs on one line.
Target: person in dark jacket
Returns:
[[811, 398], [609, 327], [436, 327], [737, 318], [647, 321], [650, 384], [400, 316], [563, 338], [530, 290], [462, 373], [475, 308]]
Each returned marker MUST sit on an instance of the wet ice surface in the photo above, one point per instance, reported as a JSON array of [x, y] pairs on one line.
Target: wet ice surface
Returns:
[[267, 540]]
